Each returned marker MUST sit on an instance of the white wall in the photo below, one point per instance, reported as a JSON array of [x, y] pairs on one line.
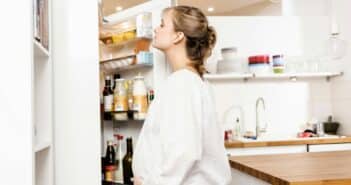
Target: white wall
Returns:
[[341, 88], [16, 119], [265, 8], [289, 104]]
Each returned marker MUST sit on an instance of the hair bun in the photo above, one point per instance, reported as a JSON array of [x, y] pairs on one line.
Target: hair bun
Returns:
[[200, 37]]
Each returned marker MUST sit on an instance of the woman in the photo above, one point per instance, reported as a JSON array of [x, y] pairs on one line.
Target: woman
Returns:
[[180, 142]]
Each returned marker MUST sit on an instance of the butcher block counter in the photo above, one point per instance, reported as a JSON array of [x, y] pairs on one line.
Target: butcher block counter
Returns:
[[287, 142], [320, 168]]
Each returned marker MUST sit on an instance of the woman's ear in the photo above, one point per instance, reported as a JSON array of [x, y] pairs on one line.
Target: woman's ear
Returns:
[[179, 37]]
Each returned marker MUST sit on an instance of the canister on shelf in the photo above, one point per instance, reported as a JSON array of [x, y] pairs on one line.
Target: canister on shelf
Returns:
[[229, 53], [259, 64], [278, 64]]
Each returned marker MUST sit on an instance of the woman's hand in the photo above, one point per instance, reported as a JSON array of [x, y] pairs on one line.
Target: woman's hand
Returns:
[[137, 181]]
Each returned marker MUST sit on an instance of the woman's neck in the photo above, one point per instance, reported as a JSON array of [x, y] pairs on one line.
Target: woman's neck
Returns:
[[178, 60]]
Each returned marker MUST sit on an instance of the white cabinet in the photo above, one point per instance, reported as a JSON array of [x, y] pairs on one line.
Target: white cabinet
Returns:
[[266, 150], [42, 94], [329, 147], [16, 153]]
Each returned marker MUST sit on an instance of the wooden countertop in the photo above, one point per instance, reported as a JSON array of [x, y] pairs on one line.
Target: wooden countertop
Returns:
[[297, 141], [321, 168]]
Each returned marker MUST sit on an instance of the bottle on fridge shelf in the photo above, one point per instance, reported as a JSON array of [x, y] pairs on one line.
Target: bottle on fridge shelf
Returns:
[[119, 159], [110, 162], [115, 77], [120, 101], [129, 87], [108, 98], [103, 168], [140, 104], [151, 96], [127, 163]]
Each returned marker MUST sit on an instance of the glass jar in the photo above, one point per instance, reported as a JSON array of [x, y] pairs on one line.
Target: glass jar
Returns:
[[139, 98], [120, 100], [278, 64]]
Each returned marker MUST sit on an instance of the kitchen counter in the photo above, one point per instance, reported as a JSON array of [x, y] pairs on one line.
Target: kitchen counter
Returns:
[[321, 168], [286, 142]]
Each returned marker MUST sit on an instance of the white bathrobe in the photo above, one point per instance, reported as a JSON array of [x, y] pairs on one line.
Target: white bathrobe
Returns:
[[181, 142]]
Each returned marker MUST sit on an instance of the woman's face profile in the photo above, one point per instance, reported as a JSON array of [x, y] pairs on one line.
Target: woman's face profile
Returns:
[[164, 34]]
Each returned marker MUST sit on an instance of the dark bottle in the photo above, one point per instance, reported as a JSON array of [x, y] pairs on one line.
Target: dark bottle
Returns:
[[108, 99], [127, 163], [110, 158], [110, 162]]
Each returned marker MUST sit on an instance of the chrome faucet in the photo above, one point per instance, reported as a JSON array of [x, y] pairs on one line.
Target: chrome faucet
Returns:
[[259, 130]]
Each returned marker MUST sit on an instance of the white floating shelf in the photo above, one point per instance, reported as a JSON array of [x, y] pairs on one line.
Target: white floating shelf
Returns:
[[39, 50], [42, 146], [291, 76], [230, 76]]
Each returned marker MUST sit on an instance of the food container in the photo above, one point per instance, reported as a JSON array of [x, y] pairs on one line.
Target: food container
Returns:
[[129, 35], [117, 38], [229, 53], [140, 105], [278, 69], [144, 25], [278, 64], [259, 59], [260, 68], [259, 64], [232, 66]]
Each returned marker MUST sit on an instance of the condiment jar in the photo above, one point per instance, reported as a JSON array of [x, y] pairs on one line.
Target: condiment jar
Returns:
[[140, 104], [120, 100]]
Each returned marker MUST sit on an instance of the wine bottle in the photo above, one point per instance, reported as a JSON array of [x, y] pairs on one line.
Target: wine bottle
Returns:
[[127, 163], [110, 162], [108, 99]]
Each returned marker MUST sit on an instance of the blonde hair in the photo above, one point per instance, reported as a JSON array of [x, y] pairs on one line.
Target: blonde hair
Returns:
[[200, 37]]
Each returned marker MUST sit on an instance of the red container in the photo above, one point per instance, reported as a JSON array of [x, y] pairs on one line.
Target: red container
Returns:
[[259, 59]]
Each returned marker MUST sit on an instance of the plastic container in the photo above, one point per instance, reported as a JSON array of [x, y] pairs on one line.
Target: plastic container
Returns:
[[260, 68], [278, 69], [230, 66], [259, 59], [229, 53], [278, 64], [144, 25], [259, 64]]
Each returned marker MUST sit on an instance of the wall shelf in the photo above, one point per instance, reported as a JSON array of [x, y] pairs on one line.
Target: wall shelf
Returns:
[[284, 76], [232, 76], [39, 50]]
